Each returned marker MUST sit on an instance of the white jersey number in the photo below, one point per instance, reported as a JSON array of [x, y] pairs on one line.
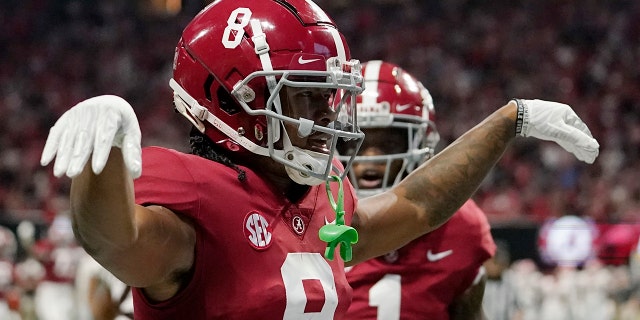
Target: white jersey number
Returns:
[[385, 295], [308, 266], [238, 20]]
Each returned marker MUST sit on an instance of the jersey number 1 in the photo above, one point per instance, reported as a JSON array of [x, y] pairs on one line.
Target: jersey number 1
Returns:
[[385, 295]]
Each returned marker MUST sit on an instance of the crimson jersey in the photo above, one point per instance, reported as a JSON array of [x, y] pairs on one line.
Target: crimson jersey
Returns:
[[60, 261], [257, 255], [421, 279]]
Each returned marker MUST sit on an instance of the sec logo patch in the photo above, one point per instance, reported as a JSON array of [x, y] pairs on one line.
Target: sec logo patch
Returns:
[[257, 231]]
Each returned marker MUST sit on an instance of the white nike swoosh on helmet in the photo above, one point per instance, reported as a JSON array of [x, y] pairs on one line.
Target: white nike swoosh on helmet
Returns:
[[438, 256], [302, 60], [403, 107]]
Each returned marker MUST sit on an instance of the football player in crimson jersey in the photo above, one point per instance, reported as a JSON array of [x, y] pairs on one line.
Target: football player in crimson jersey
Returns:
[[54, 297], [438, 276], [238, 229], [9, 296]]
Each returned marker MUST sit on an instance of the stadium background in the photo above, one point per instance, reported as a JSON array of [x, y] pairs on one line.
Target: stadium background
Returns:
[[472, 55]]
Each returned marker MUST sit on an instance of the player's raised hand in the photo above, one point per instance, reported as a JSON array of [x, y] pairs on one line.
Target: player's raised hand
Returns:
[[92, 127], [557, 122]]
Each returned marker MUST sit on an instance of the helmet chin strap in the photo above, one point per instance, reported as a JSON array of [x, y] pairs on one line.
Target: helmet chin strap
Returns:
[[261, 48], [314, 161]]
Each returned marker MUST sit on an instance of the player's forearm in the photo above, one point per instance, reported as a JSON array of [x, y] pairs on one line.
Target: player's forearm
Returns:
[[103, 206], [444, 183]]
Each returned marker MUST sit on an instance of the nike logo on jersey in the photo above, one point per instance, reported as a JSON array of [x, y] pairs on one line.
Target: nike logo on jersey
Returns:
[[301, 60], [403, 107], [438, 256]]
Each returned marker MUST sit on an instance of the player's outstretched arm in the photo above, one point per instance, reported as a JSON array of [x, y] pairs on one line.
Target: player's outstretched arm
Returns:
[[428, 197], [139, 245]]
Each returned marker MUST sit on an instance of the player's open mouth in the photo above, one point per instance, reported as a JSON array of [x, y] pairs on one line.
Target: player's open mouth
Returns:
[[370, 179], [318, 143], [369, 184]]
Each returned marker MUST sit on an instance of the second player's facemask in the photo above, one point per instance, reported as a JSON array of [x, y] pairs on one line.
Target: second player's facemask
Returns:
[[400, 105]]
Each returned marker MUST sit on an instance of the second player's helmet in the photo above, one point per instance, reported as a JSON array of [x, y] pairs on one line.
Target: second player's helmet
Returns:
[[396, 100], [234, 58]]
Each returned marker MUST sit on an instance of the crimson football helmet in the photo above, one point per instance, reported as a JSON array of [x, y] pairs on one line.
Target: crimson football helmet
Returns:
[[396, 100], [232, 61]]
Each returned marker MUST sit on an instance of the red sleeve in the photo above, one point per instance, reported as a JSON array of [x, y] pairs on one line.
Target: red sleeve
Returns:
[[166, 180], [480, 240]]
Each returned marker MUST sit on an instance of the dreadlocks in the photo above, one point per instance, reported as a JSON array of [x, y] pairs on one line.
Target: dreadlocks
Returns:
[[202, 146]]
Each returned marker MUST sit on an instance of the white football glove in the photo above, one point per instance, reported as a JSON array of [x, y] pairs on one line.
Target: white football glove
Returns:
[[91, 127], [557, 122]]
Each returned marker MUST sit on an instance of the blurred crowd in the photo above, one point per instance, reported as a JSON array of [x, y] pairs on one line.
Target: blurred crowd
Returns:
[[472, 55], [593, 290], [475, 55], [55, 54]]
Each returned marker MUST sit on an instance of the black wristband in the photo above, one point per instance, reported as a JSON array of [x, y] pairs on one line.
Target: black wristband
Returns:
[[520, 116]]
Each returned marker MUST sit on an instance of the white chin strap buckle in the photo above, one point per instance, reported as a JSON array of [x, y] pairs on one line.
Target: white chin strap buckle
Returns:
[[312, 161]]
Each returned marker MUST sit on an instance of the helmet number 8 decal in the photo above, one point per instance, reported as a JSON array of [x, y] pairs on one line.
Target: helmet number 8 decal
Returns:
[[230, 39]]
